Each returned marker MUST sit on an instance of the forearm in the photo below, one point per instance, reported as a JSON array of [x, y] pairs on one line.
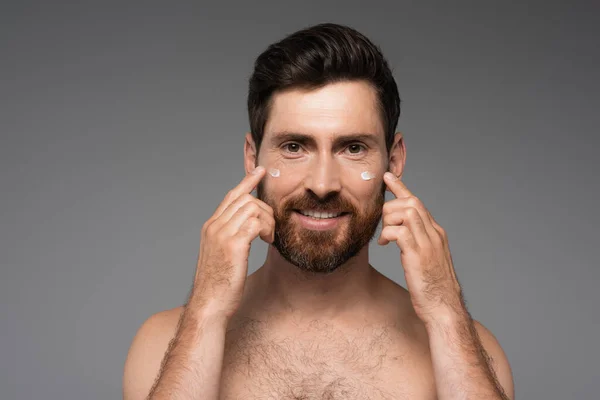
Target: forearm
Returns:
[[461, 366], [192, 365]]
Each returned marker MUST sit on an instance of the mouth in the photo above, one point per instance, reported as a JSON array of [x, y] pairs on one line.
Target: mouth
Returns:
[[321, 214], [320, 220]]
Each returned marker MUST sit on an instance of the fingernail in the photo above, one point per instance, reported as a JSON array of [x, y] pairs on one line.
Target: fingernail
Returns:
[[258, 170], [388, 175]]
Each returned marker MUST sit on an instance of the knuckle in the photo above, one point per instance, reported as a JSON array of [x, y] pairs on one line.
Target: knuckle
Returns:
[[442, 232], [269, 221], [265, 221], [414, 201], [251, 208], [205, 227], [384, 231], [412, 212], [246, 197], [387, 208], [210, 228]]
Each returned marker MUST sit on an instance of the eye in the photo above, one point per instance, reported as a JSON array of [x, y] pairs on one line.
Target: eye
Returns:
[[291, 147], [355, 148]]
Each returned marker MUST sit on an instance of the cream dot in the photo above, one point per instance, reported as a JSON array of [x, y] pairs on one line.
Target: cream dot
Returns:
[[367, 176], [274, 172]]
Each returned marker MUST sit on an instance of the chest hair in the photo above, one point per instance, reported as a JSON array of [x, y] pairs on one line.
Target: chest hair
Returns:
[[316, 361]]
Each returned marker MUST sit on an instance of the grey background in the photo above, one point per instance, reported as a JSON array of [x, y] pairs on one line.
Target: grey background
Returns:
[[122, 128]]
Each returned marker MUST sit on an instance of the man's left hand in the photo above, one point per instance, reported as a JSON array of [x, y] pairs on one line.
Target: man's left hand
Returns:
[[424, 252]]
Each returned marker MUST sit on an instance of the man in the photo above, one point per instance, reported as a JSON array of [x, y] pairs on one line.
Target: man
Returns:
[[317, 321]]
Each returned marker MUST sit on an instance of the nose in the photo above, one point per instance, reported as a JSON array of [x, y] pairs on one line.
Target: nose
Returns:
[[323, 177]]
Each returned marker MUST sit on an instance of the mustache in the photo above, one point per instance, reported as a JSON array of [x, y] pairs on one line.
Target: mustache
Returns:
[[332, 203]]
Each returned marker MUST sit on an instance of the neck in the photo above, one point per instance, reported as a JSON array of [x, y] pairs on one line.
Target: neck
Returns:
[[282, 287]]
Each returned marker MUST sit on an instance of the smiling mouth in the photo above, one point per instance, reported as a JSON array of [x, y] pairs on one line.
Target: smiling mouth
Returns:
[[320, 214]]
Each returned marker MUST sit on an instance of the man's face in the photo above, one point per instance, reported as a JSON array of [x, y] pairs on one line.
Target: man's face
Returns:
[[321, 141]]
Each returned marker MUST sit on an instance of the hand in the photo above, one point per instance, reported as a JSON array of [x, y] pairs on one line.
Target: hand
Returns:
[[225, 246], [424, 253]]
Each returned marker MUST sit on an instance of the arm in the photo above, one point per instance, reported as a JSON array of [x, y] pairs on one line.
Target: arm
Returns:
[[176, 354], [146, 353], [192, 366], [467, 360], [461, 349]]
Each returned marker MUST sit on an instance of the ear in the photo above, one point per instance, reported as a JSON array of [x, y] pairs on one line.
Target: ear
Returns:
[[250, 154], [397, 158]]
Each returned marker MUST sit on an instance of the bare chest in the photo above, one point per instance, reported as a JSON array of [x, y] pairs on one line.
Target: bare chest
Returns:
[[325, 363]]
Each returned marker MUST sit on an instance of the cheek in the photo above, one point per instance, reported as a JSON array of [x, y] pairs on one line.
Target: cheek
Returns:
[[367, 176], [364, 178], [362, 191], [367, 172], [280, 181], [284, 175]]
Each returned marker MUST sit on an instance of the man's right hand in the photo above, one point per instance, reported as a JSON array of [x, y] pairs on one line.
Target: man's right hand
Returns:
[[225, 246], [193, 339]]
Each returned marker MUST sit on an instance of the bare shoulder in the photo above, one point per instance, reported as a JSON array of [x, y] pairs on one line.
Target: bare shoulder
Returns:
[[146, 353], [498, 359], [394, 296], [388, 287]]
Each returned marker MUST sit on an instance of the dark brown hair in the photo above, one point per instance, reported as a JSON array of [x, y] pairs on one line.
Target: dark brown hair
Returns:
[[314, 57]]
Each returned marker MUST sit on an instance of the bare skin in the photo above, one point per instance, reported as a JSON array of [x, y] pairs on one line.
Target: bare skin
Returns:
[[368, 355], [282, 333]]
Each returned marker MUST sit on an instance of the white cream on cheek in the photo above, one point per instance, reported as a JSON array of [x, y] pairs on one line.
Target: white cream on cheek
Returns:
[[274, 172], [367, 176]]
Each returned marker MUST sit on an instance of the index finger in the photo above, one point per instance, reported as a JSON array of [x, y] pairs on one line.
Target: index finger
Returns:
[[247, 185], [396, 186]]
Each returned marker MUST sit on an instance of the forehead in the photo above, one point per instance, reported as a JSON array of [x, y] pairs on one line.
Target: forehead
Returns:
[[337, 108]]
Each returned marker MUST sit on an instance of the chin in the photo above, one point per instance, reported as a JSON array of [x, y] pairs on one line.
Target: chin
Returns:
[[321, 259]]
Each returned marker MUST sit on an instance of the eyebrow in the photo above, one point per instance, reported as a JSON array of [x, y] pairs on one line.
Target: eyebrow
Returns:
[[303, 138]]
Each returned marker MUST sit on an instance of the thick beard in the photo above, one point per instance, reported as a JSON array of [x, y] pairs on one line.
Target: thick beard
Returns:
[[322, 251]]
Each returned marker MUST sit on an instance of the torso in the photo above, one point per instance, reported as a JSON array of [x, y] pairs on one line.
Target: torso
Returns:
[[383, 359]]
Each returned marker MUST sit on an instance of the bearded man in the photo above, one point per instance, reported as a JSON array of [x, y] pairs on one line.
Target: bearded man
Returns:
[[317, 320]]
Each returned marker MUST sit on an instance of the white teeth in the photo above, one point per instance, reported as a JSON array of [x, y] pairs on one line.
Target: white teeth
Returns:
[[319, 215]]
